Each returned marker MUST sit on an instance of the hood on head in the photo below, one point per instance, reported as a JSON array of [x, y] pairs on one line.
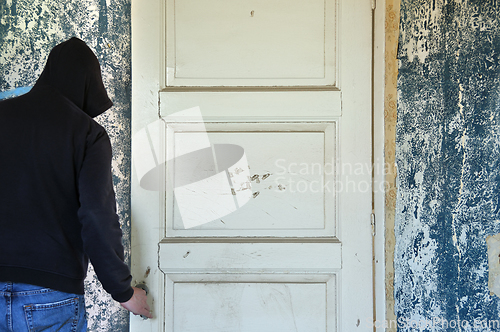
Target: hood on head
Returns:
[[73, 69]]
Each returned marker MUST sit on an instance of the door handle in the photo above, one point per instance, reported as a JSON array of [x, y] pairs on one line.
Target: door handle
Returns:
[[146, 289]]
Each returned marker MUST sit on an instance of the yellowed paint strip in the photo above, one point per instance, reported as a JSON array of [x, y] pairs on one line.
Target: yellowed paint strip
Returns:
[[390, 117]]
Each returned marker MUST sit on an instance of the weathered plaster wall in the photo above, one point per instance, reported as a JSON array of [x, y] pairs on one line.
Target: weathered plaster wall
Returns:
[[28, 31], [448, 162]]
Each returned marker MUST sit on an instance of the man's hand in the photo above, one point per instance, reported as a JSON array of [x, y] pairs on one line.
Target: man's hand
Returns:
[[138, 304]]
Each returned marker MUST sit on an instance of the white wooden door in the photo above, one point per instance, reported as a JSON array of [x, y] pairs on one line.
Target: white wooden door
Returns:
[[251, 210]]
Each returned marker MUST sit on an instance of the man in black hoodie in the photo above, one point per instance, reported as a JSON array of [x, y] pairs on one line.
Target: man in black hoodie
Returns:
[[57, 203]]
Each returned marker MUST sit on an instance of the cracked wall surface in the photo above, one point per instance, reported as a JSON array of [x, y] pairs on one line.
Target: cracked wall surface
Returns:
[[28, 31], [448, 158]]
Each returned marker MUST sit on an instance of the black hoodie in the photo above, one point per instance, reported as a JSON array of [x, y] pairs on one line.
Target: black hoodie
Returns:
[[57, 203]]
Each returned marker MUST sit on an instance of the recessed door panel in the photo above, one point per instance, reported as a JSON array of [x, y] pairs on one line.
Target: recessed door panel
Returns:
[[245, 43], [255, 304], [291, 181]]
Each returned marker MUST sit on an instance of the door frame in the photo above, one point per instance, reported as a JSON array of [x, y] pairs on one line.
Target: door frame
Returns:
[[379, 179]]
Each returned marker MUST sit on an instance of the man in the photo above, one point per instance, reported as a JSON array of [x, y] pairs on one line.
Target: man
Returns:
[[57, 203]]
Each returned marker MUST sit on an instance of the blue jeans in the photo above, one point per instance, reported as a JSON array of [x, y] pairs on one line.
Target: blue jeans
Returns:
[[31, 308]]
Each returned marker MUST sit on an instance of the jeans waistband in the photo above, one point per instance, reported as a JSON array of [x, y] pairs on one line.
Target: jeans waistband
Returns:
[[8, 288]]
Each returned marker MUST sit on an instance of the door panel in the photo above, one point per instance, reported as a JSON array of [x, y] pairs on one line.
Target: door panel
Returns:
[[257, 303], [221, 257], [289, 83], [293, 194], [252, 104], [251, 43]]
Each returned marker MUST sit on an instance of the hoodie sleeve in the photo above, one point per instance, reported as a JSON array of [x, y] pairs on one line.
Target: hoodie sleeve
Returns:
[[101, 232]]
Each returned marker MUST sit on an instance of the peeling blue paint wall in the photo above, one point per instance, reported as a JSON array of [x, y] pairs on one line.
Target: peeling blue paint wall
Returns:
[[448, 162], [28, 31]]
